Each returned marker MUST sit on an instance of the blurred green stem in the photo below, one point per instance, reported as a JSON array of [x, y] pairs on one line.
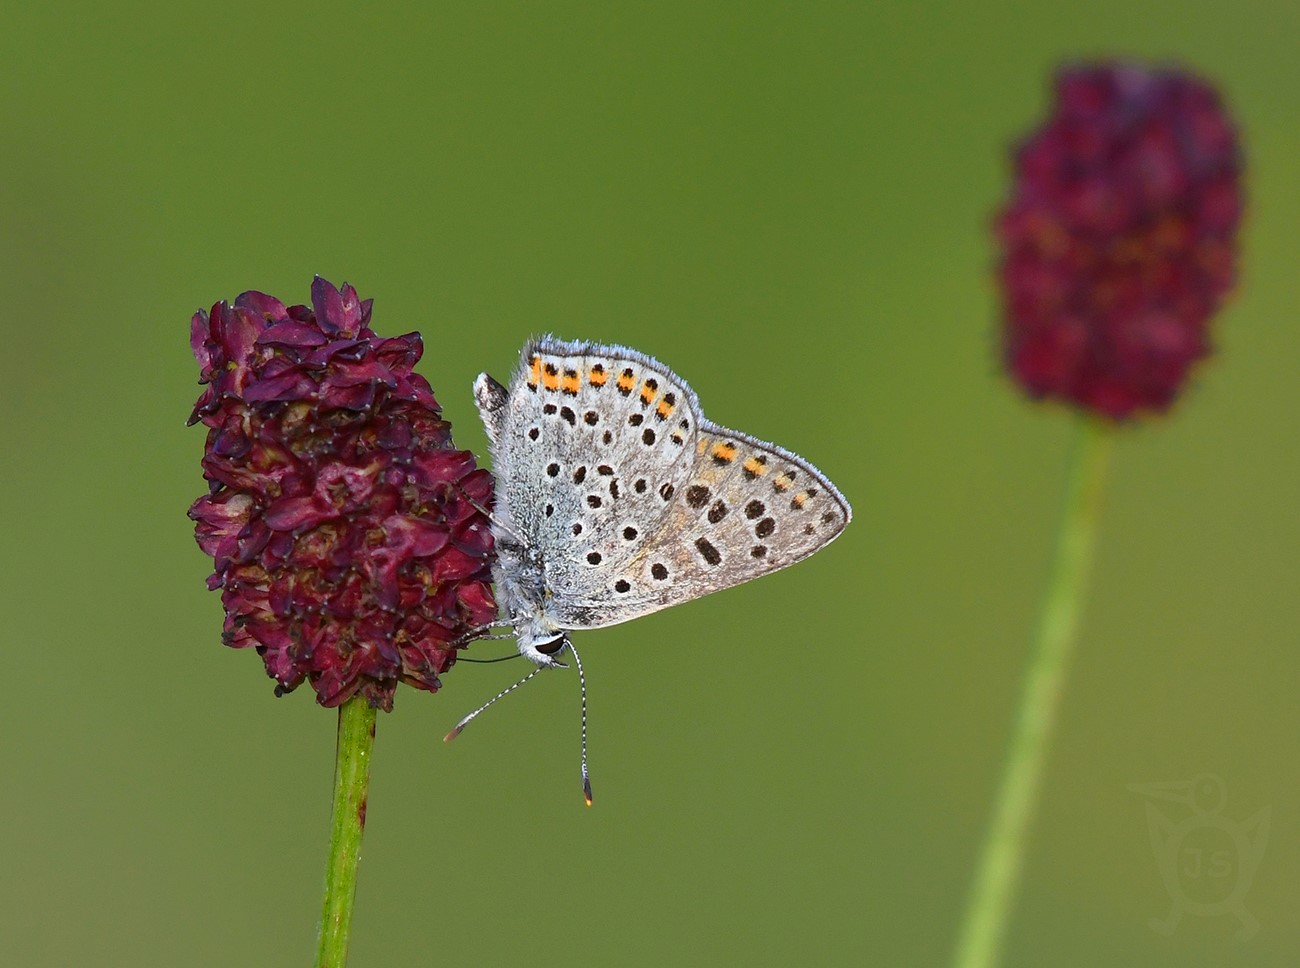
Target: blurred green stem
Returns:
[[356, 741], [997, 879]]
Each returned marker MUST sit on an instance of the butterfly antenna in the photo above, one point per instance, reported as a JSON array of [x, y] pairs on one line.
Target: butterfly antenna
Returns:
[[582, 686], [455, 731]]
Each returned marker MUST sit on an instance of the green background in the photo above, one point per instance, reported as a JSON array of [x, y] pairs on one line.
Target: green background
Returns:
[[789, 205]]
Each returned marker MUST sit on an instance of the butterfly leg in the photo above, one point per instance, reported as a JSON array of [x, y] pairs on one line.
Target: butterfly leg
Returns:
[[483, 632], [487, 513]]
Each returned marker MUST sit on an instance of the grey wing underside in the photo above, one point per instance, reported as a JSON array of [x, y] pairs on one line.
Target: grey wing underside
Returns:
[[636, 501]]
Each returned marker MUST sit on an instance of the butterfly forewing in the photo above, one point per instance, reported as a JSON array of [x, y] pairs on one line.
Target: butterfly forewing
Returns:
[[594, 444]]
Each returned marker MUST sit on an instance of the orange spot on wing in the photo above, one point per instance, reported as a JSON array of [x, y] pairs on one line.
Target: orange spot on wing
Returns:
[[534, 371], [598, 376], [647, 392], [782, 481], [625, 381], [755, 466], [664, 408], [550, 376], [570, 383], [723, 452], [796, 502]]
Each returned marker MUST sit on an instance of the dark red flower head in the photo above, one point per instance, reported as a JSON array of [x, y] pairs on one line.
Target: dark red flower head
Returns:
[[347, 534], [1119, 238]]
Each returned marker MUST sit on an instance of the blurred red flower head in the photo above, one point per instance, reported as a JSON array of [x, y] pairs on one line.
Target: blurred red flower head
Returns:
[[346, 531], [1119, 238]]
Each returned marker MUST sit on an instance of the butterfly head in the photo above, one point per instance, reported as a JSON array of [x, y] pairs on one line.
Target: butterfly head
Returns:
[[543, 644]]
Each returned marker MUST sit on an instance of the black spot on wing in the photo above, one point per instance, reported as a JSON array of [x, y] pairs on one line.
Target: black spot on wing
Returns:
[[709, 553]]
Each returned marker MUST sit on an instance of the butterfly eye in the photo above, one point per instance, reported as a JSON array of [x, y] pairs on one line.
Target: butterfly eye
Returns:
[[551, 647]]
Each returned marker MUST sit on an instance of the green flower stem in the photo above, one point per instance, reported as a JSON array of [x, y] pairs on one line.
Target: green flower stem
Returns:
[[356, 741], [998, 876]]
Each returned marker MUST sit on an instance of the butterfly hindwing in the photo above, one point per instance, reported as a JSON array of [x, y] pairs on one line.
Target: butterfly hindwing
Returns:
[[748, 508]]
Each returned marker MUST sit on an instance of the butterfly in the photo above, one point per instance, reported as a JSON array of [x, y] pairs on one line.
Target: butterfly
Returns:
[[616, 497]]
